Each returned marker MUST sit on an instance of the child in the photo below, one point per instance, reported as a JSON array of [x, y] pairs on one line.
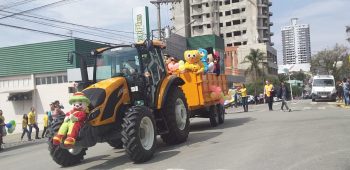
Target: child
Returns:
[[24, 127]]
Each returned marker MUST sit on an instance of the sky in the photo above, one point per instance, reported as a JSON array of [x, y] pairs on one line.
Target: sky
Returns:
[[327, 20]]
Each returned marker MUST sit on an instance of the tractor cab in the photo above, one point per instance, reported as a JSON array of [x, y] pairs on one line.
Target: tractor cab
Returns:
[[141, 65]]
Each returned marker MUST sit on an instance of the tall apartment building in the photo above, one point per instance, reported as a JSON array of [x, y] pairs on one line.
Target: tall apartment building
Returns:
[[244, 24], [296, 43]]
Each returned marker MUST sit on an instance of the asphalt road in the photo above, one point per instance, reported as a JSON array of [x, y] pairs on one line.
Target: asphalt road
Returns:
[[313, 136]]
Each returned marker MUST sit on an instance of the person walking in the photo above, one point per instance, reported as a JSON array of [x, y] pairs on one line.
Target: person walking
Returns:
[[340, 92], [284, 94], [346, 89], [46, 123], [2, 129], [268, 92], [243, 92], [24, 127], [32, 123]]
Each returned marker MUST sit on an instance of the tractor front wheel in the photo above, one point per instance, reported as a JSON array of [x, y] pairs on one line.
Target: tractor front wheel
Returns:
[[139, 134]]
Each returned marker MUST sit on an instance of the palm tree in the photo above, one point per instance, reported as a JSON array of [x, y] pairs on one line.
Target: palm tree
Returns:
[[255, 59]]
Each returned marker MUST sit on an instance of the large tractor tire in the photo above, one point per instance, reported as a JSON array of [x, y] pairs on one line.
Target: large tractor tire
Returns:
[[139, 134], [63, 157], [214, 116], [221, 110], [116, 143], [176, 116]]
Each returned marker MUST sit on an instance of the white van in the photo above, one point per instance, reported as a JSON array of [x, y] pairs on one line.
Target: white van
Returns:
[[323, 88]]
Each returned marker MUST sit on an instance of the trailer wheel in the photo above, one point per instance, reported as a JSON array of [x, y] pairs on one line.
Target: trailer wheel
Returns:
[[176, 116], [63, 157], [221, 111], [214, 116], [139, 134]]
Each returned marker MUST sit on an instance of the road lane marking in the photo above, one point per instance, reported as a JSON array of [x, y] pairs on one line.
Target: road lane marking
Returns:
[[306, 108]]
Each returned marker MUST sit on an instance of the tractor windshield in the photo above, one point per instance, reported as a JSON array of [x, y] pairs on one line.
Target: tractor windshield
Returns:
[[121, 61]]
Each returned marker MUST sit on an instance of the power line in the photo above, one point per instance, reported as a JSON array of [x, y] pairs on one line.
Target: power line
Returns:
[[36, 8], [56, 34], [71, 29], [69, 23], [16, 4]]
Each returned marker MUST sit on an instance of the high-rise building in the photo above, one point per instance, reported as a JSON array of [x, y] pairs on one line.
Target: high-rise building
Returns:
[[244, 24], [296, 43]]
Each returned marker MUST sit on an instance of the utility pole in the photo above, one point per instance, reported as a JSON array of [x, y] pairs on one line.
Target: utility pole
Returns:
[[157, 3]]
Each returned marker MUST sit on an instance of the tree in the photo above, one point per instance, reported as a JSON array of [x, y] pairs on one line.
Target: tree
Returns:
[[333, 62], [255, 59]]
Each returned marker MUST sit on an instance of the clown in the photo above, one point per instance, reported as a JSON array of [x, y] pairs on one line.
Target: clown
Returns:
[[73, 121]]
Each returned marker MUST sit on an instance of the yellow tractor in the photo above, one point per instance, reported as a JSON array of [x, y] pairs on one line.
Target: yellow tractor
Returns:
[[134, 99]]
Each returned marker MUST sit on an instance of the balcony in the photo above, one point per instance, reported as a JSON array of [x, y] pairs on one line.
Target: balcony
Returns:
[[271, 33], [271, 24], [196, 2], [270, 3], [272, 44], [270, 14]]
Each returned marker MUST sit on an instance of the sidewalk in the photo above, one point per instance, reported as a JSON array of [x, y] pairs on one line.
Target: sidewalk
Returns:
[[13, 141]]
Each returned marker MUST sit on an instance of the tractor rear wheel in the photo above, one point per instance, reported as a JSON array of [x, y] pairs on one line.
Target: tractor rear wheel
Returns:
[[139, 134], [176, 116], [63, 157], [214, 116]]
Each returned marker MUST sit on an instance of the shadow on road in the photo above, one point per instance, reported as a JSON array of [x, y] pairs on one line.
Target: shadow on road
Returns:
[[229, 123]]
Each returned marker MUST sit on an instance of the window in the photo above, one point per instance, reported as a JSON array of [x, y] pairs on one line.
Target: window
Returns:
[[235, 1], [227, 2], [237, 44], [199, 6], [48, 80], [59, 79], [200, 16], [37, 81], [229, 34], [229, 45], [243, 9], [243, 20], [65, 79], [43, 80], [244, 31], [227, 13], [236, 22], [207, 4], [220, 3], [244, 42], [221, 24], [235, 11], [208, 15], [236, 33], [228, 23], [220, 14], [222, 35], [54, 80], [208, 26], [200, 27]]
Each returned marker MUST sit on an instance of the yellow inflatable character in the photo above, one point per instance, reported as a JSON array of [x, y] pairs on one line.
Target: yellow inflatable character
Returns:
[[193, 62]]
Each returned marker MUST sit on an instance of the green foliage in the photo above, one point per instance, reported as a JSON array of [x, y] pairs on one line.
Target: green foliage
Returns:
[[297, 91], [331, 61], [255, 59]]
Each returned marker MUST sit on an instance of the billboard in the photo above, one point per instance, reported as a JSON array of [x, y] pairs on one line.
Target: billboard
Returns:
[[140, 23]]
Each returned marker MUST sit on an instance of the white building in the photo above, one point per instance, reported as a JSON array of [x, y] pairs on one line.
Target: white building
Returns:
[[296, 43], [241, 23]]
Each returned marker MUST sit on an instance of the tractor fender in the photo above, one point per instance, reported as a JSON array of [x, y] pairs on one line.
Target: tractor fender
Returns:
[[172, 81]]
